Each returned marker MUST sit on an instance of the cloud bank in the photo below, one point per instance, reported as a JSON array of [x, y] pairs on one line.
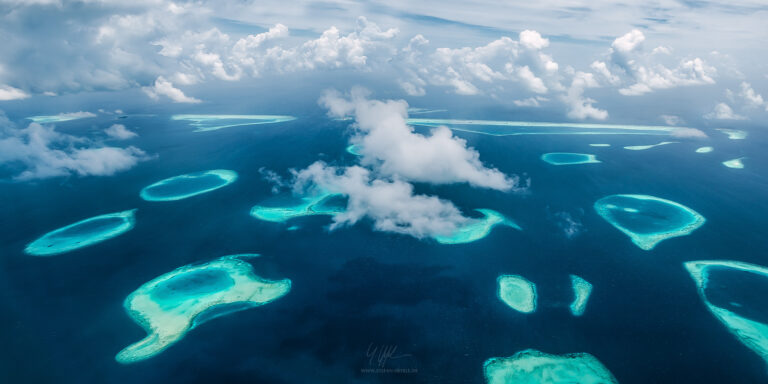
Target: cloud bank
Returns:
[[38, 152], [162, 46]]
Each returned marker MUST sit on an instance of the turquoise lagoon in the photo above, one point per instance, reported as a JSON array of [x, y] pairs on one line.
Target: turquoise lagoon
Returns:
[[735, 163], [204, 123], [172, 304], [508, 128], [352, 149], [582, 289], [188, 185], [648, 220], [734, 134], [748, 324], [321, 204], [477, 228], [534, 367], [649, 146], [517, 292], [82, 233], [568, 158], [61, 117]]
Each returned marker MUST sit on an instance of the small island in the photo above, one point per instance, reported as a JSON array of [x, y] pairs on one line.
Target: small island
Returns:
[[320, 204], [476, 229], [649, 146], [734, 134], [517, 292], [567, 158], [82, 233], [742, 322], [735, 163], [188, 185], [205, 123], [582, 289], [535, 367], [648, 220], [171, 305]]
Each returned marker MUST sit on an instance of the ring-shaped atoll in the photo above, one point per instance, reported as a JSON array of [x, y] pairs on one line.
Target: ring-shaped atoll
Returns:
[[649, 146], [749, 332], [517, 292], [569, 158], [509, 128], [735, 163], [61, 117], [353, 149], [582, 289], [188, 185], [534, 367], [734, 134], [477, 228], [82, 233], [204, 123], [648, 220], [307, 206], [171, 305], [704, 149]]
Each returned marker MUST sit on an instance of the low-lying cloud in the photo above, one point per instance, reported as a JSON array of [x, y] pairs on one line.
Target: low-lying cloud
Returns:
[[39, 151], [393, 156], [163, 87], [390, 204], [120, 132], [393, 149]]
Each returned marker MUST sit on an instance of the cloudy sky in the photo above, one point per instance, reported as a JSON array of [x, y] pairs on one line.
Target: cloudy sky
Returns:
[[686, 63], [580, 59]]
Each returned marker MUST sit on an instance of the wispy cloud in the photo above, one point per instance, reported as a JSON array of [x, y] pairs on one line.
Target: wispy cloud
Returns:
[[39, 151]]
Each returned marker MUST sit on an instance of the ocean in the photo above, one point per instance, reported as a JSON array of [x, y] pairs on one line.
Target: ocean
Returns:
[[357, 292]]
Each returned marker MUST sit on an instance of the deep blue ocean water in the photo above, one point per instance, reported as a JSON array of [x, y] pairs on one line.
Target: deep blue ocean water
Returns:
[[354, 289]]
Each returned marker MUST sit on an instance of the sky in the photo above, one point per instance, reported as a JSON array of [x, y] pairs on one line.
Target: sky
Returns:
[[684, 63], [560, 54]]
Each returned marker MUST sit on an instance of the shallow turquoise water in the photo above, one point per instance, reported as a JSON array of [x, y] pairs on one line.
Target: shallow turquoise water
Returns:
[[564, 158], [188, 185], [192, 284]]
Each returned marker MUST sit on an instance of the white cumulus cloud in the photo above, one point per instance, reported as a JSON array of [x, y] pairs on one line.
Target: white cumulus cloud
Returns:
[[163, 87], [723, 111], [391, 146], [390, 204], [120, 132], [751, 98], [10, 93], [628, 42], [642, 72], [533, 40]]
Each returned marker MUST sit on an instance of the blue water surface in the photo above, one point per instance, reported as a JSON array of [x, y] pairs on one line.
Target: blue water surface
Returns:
[[354, 288]]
